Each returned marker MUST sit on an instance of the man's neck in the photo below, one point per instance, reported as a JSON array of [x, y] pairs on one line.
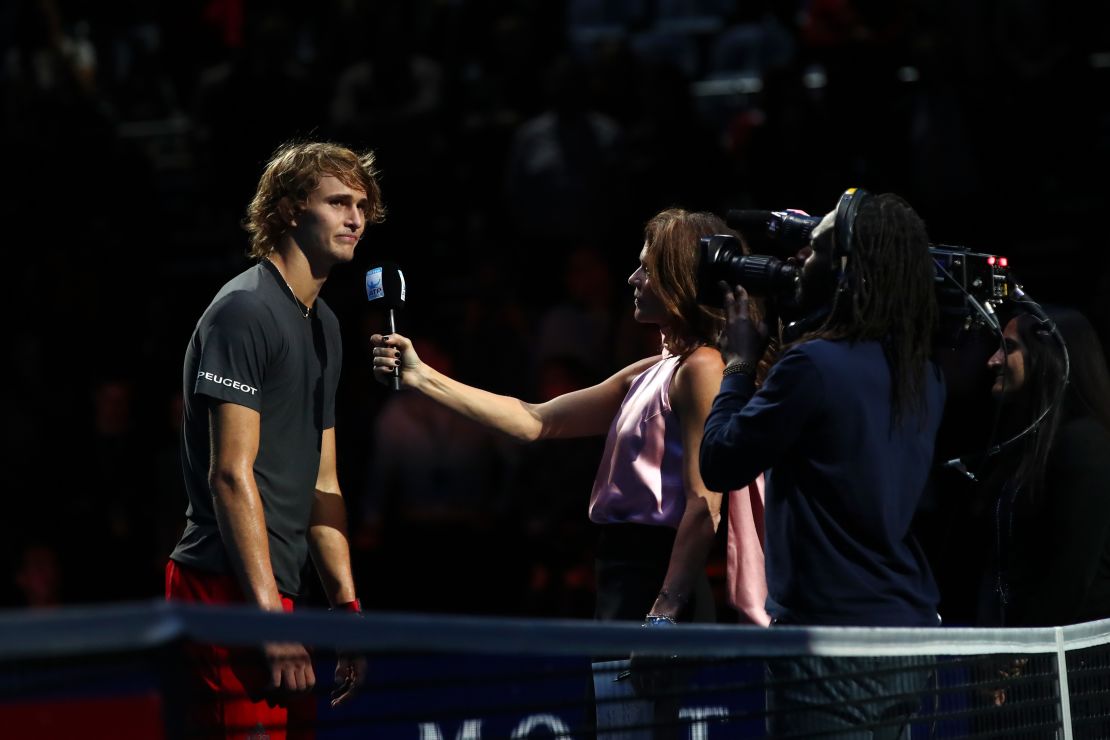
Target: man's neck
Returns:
[[298, 272]]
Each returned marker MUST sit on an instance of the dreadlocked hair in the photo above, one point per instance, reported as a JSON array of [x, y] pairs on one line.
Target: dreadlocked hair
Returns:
[[887, 296]]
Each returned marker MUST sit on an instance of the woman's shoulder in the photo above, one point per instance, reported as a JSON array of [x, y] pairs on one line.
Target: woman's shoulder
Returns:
[[703, 360], [699, 370]]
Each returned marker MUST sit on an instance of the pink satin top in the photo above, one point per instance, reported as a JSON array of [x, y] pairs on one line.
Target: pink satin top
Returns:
[[640, 481]]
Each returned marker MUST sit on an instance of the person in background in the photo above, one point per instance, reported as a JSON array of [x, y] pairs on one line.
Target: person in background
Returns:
[[1051, 507]]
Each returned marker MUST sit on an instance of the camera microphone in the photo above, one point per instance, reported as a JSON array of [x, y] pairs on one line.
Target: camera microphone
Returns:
[[782, 232], [385, 285], [748, 222]]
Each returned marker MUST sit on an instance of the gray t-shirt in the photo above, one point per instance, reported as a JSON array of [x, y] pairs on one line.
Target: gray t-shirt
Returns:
[[254, 347]]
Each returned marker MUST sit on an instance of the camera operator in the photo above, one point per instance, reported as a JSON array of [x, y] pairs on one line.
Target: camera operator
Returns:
[[846, 422]]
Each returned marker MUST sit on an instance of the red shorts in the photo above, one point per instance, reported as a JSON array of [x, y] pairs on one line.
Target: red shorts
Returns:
[[223, 681]]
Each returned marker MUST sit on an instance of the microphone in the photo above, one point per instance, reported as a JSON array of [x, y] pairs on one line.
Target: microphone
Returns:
[[780, 232], [385, 285], [790, 225], [748, 221]]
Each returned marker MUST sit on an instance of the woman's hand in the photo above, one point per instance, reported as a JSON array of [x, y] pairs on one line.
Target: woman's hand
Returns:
[[393, 351]]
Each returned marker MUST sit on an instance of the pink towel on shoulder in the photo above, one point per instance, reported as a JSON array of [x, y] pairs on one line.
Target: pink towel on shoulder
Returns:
[[746, 579]]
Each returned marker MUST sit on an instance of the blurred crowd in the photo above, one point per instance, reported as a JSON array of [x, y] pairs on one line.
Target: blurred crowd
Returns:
[[522, 144]]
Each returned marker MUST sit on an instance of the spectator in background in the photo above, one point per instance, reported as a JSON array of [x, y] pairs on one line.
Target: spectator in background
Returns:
[[545, 473], [436, 502], [859, 46], [53, 105], [395, 91], [1051, 522], [581, 324], [566, 172], [674, 156], [103, 501], [119, 469], [233, 120], [165, 456], [575, 346], [38, 576], [392, 93]]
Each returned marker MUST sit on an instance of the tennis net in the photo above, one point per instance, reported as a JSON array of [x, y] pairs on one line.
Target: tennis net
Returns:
[[119, 672]]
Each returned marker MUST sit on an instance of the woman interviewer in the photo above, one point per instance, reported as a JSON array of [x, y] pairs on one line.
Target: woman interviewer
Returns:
[[656, 518]]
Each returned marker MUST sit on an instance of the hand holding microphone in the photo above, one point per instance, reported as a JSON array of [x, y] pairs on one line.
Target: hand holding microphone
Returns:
[[393, 354], [385, 285]]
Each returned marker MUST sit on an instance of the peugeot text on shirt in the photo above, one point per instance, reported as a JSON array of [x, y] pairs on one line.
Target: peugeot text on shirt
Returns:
[[220, 380]]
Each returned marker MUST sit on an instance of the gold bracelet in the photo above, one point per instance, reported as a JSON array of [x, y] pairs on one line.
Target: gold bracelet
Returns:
[[740, 367]]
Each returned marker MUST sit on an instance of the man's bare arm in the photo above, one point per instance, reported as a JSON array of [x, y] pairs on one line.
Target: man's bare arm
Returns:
[[235, 432], [327, 531]]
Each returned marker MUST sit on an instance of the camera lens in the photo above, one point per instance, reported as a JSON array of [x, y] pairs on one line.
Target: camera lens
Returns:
[[792, 229], [721, 257]]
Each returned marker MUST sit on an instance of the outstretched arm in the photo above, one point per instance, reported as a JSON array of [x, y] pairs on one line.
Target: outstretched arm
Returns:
[[577, 414]]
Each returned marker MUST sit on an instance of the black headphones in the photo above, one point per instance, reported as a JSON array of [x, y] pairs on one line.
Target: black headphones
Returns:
[[843, 244], [844, 227]]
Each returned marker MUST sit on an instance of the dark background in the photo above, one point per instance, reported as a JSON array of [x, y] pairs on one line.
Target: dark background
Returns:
[[522, 144]]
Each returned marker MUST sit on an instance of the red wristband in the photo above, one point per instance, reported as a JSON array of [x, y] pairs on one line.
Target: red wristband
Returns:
[[350, 606]]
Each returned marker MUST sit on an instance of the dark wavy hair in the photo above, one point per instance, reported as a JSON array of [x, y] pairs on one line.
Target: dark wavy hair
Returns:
[[293, 172], [1087, 393], [672, 261], [887, 295]]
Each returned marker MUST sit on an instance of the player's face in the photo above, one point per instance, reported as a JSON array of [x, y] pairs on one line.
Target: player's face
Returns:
[[649, 309], [1008, 366], [331, 222]]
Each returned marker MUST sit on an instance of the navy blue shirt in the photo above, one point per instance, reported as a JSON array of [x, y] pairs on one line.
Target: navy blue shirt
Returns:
[[843, 487]]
